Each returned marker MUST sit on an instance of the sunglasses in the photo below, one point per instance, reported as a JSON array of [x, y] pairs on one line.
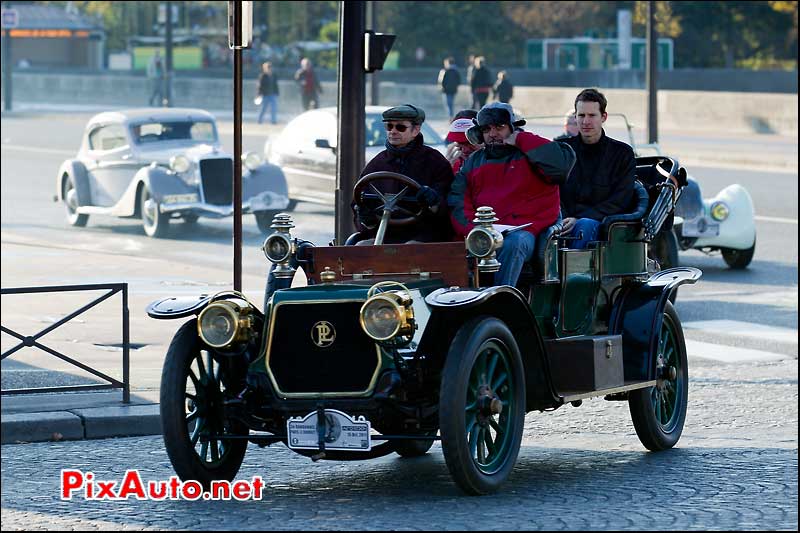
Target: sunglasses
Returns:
[[399, 127]]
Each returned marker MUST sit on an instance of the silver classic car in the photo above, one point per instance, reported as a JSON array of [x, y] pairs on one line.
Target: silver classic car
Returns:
[[160, 164]]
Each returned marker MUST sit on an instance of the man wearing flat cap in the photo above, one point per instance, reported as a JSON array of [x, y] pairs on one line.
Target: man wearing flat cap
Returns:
[[407, 154], [517, 174]]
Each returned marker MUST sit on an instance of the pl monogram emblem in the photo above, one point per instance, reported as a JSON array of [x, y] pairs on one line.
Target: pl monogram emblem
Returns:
[[323, 334]]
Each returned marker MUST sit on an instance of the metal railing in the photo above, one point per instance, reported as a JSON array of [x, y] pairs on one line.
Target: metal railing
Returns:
[[33, 340]]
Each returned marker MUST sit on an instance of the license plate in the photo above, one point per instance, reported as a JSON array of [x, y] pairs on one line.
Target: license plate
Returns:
[[699, 227], [342, 432], [267, 201]]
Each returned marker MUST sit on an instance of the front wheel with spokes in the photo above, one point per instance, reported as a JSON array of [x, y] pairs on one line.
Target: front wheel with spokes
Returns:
[[201, 442], [659, 412], [482, 405]]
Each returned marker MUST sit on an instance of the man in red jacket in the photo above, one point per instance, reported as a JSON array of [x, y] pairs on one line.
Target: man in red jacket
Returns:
[[517, 174]]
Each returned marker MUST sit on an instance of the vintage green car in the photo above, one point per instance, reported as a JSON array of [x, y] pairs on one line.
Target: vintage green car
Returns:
[[390, 347]]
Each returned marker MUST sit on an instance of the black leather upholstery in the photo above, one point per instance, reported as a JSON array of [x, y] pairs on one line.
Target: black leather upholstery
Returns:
[[639, 208]]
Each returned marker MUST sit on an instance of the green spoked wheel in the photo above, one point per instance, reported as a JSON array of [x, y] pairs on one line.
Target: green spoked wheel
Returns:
[[192, 412], [659, 412], [482, 405]]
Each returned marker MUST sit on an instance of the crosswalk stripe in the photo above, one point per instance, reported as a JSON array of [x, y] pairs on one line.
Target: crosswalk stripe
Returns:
[[737, 328], [729, 354]]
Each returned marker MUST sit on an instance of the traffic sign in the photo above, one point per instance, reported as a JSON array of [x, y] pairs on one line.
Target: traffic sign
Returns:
[[10, 18]]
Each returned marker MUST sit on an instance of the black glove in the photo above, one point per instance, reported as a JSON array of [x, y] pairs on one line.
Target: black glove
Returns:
[[427, 196], [365, 217]]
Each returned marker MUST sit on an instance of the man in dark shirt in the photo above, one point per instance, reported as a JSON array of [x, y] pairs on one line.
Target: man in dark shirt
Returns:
[[601, 182], [407, 154]]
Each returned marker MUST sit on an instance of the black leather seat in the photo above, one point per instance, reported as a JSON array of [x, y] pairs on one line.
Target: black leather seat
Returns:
[[640, 204]]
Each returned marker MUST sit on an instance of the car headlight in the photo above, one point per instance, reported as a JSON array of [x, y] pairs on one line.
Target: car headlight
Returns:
[[386, 316], [179, 163], [224, 323], [252, 160], [277, 247], [480, 242], [719, 211]]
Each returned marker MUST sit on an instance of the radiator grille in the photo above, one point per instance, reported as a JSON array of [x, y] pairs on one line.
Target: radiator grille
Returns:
[[298, 365], [217, 179]]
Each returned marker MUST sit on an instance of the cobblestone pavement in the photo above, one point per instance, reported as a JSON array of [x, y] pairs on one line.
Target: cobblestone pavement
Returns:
[[735, 468]]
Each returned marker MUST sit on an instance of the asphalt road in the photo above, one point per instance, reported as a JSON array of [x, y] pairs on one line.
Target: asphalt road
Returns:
[[736, 467]]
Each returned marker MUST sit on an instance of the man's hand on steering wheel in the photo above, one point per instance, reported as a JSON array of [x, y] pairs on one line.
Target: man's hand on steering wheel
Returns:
[[427, 196]]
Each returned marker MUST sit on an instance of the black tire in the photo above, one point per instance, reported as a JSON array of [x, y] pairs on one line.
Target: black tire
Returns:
[[70, 196], [664, 249], [413, 448], [264, 220], [187, 414], [738, 259], [154, 222], [659, 412], [483, 366]]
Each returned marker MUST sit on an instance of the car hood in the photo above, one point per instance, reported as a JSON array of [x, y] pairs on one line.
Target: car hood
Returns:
[[194, 152]]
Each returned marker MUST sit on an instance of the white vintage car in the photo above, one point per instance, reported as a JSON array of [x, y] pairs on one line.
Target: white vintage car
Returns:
[[160, 164]]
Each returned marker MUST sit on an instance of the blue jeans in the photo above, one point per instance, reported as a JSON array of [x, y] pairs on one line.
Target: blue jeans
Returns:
[[270, 100], [589, 227], [517, 249], [448, 104]]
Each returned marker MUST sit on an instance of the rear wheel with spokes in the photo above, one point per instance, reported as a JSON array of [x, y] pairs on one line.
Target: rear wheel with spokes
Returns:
[[193, 420], [659, 412]]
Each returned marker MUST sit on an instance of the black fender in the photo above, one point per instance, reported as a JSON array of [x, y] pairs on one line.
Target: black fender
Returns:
[[178, 306], [637, 315], [267, 177], [452, 307], [161, 181], [183, 306], [75, 170]]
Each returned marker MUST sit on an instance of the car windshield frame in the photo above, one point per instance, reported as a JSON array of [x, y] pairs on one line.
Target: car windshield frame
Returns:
[[152, 132]]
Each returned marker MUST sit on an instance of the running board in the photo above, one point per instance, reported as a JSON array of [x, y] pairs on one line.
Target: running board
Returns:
[[571, 396]]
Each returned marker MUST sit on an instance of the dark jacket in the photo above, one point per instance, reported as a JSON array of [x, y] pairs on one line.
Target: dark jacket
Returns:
[[309, 83], [519, 182], [601, 182], [449, 80], [503, 91], [481, 78], [426, 166], [267, 84]]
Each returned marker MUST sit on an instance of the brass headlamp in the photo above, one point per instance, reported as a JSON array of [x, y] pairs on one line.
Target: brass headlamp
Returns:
[[279, 247], [484, 241]]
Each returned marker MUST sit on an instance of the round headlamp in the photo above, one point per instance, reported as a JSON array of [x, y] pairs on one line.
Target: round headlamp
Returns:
[[719, 211], [480, 242], [222, 323], [179, 163], [385, 316], [277, 247], [252, 160]]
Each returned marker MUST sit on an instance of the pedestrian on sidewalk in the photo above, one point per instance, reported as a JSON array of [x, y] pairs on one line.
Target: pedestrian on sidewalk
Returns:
[[310, 87], [268, 92], [481, 82], [503, 89], [449, 80]]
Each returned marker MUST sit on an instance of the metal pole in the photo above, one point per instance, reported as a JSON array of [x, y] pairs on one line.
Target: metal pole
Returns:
[[351, 100], [126, 347], [237, 167], [652, 69], [168, 58], [374, 79], [7, 66]]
